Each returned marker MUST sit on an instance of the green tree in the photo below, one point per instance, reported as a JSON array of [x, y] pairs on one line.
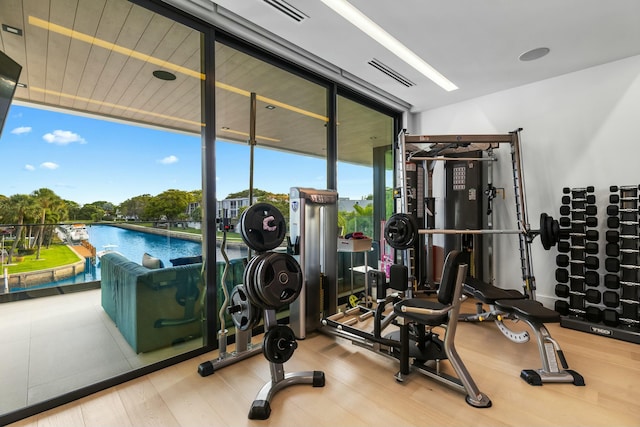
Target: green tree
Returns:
[[15, 209], [135, 206], [47, 202], [73, 209], [171, 204], [91, 211]]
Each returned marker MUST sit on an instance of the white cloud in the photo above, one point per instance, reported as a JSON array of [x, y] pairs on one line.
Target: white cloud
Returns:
[[49, 165], [169, 160], [22, 129], [29, 167], [63, 137]]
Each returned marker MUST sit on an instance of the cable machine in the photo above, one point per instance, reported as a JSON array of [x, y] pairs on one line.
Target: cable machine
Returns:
[[466, 175]]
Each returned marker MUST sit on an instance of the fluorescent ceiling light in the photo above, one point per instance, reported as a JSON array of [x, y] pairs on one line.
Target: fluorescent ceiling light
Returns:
[[373, 30]]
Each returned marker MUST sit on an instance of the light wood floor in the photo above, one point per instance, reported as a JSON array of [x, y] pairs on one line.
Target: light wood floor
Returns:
[[360, 389]]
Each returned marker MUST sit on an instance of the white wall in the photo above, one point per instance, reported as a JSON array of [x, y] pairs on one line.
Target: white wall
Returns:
[[580, 129]]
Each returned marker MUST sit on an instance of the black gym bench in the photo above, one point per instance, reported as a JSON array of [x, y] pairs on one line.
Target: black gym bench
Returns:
[[513, 305]]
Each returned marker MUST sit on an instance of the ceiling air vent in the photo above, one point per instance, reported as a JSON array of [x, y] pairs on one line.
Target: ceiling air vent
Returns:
[[287, 9], [391, 73]]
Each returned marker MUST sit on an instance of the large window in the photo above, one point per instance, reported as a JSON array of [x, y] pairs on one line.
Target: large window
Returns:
[[102, 152], [365, 138], [289, 116], [111, 132]]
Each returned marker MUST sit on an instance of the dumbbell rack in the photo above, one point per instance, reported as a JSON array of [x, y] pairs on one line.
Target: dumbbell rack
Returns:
[[622, 297], [577, 273], [613, 309]]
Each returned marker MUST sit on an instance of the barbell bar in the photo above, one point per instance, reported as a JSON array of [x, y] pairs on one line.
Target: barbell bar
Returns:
[[401, 231]]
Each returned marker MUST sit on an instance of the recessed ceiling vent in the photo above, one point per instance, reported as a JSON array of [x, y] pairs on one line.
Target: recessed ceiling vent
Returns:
[[391, 73], [284, 7]]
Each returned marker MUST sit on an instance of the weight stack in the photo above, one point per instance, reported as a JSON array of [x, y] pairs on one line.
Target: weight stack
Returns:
[[578, 263]]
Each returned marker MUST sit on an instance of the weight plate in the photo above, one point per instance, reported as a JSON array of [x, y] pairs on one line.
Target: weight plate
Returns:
[[545, 231], [249, 281], [279, 280], [401, 231], [262, 227], [241, 309], [279, 344]]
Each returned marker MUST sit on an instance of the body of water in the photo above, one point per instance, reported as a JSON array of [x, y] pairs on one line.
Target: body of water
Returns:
[[132, 245]]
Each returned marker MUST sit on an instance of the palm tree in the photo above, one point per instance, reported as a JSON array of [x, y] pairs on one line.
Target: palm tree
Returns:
[[17, 207], [363, 219], [46, 200]]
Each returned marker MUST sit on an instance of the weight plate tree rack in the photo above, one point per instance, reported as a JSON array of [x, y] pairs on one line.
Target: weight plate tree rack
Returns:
[[577, 274], [272, 280], [619, 315]]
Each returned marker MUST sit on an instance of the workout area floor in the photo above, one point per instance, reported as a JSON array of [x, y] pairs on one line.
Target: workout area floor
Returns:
[[361, 389]]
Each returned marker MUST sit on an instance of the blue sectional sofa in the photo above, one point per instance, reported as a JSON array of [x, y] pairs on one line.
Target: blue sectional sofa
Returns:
[[155, 308], [152, 308]]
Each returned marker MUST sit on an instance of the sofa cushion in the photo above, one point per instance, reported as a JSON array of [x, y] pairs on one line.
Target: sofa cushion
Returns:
[[151, 262], [186, 260]]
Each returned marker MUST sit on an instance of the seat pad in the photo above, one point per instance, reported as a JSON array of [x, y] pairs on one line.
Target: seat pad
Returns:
[[529, 309], [487, 293]]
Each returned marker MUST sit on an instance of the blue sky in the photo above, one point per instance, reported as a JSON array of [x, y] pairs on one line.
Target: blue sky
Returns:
[[85, 160]]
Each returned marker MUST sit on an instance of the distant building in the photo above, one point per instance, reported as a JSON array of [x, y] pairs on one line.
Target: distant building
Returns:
[[232, 207]]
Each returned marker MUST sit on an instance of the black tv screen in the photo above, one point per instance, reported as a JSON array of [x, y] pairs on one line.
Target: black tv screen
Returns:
[[9, 74]]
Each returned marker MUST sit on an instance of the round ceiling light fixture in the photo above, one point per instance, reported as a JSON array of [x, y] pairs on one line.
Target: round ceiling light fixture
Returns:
[[533, 54], [164, 75]]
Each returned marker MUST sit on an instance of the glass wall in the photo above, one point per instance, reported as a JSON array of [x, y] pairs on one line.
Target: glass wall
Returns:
[[365, 138], [102, 154], [106, 144]]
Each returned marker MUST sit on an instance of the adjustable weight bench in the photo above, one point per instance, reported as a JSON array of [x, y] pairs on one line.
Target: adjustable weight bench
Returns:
[[513, 305]]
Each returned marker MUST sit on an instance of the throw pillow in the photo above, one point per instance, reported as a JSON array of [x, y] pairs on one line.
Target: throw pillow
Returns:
[[151, 262]]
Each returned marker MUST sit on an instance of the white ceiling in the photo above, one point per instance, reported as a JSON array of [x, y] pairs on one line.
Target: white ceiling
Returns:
[[474, 43]]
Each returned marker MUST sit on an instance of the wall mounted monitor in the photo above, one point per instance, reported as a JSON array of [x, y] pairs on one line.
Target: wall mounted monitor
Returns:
[[9, 75]]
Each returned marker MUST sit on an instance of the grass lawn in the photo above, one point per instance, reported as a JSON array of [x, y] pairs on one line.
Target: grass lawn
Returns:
[[55, 256]]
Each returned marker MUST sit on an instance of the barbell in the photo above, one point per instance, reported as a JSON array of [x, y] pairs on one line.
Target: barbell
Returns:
[[401, 231]]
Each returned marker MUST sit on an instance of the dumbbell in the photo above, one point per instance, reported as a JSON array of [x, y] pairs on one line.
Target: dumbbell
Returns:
[[613, 236], [614, 250], [610, 298], [614, 210], [615, 188], [592, 314], [590, 262], [591, 295], [590, 221], [578, 191], [614, 198], [590, 247], [630, 312], [591, 278], [589, 199], [591, 235], [615, 222], [589, 210], [610, 317], [611, 281], [613, 265]]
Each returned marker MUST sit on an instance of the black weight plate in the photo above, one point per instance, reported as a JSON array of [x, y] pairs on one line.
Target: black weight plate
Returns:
[[400, 231], [249, 281], [279, 280], [279, 344], [544, 231], [245, 318], [262, 227]]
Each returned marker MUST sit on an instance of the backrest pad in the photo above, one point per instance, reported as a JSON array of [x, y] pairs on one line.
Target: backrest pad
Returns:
[[449, 275]]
